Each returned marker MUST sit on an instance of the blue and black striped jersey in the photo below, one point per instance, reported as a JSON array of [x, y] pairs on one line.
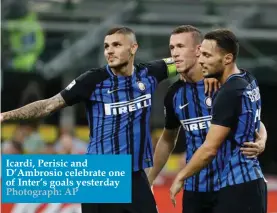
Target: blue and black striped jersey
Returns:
[[118, 109], [187, 105], [237, 105]]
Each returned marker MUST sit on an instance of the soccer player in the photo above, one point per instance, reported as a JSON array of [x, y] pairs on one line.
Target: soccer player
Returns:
[[236, 114], [187, 105]]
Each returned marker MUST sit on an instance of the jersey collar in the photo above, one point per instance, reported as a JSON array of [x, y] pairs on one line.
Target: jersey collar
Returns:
[[119, 76], [243, 73]]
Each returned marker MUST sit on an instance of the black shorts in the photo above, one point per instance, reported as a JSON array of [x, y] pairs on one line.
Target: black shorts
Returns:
[[250, 197], [143, 200], [199, 202]]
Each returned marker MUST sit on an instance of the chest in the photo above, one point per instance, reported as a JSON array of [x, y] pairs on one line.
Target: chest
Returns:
[[193, 108], [122, 96]]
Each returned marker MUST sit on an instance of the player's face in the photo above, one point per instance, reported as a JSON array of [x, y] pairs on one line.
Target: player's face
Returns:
[[118, 49], [211, 59], [184, 51]]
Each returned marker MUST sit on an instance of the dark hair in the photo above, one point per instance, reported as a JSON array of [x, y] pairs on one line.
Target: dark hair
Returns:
[[225, 39], [196, 33], [121, 30]]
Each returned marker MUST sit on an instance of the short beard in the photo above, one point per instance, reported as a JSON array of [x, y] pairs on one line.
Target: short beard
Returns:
[[216, 75], [119, 66]]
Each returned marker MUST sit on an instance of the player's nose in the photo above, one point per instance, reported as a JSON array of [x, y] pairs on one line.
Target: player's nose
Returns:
[[110, 50], [175, 54], [200, 60]]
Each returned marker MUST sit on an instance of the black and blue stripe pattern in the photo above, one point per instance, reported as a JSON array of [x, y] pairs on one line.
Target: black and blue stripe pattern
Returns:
[[235, 167], [192, 109]]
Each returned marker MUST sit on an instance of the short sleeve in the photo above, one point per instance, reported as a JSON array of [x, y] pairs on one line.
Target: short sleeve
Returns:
[[226, 108], [162, 69], [171, 120], [80, 89]]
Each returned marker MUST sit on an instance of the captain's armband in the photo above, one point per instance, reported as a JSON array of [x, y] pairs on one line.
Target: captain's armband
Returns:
[[171, 67]]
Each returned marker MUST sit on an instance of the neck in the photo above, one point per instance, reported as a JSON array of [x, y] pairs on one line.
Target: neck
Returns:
[[231, 70], [194, 74], [125, 70]]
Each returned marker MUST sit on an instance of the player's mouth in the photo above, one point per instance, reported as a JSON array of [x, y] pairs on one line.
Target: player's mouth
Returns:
[[111, 58], [178, 62], [205, 70]]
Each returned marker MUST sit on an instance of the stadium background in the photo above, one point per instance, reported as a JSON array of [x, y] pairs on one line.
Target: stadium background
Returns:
[[46, 43]]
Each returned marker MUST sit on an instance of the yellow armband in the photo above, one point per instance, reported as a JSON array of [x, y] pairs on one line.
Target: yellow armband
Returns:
[[171, 67]]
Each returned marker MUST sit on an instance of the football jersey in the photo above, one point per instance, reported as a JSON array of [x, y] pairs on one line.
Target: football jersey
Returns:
[[118, 109], [187, 105], [237, 105]]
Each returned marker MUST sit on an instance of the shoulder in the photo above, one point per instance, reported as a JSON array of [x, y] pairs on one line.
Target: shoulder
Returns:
[[93, 75], [152, 64], [157, 68], [95, 72], [248, 74], [251, 79], [232, 89], [235, 83], [174, 88]]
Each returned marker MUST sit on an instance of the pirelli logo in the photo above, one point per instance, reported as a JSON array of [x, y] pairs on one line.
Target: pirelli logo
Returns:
[[128, 106], [199, 123]]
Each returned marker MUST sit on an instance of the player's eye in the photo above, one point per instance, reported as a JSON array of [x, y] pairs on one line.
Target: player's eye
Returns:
[[116, 44], [206, 54]]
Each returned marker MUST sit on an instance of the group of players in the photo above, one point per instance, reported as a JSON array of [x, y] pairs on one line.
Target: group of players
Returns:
[[223, 130]]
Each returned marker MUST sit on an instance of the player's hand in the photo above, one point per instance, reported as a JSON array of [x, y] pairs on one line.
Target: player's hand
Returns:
[[253, 149], [211, 85], [175, 189]]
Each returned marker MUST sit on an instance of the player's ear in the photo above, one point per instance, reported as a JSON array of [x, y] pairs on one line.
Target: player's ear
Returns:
[[198, 53], [134, 49], [228, 58]]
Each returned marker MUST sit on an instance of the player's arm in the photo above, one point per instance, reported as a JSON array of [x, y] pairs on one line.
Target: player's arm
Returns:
[[252, 150], [226, 109], [37, 109], [161, 69], [206, 153], [201, 158], [168, 138], [163, 150], [262, 134], [78, 90]]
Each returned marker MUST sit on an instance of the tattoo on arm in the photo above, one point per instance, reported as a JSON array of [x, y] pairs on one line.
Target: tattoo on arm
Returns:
[[36, 109]]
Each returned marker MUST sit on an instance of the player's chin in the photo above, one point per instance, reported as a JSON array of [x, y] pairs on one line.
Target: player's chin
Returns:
[[113, 64], [180, 69], [118, 65]]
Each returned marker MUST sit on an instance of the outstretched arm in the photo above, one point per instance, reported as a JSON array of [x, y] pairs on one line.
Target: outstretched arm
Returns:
[[77, 91], [37, 109]]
